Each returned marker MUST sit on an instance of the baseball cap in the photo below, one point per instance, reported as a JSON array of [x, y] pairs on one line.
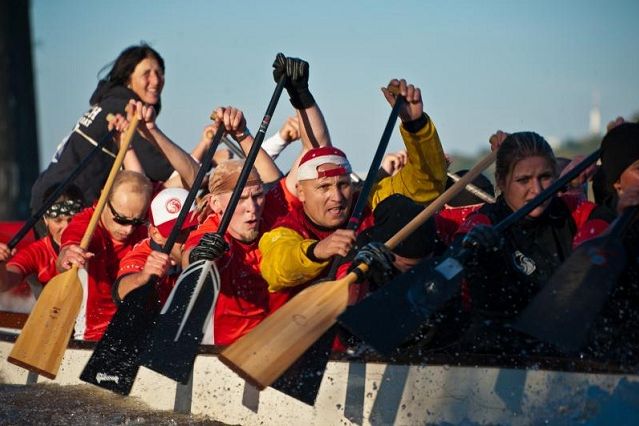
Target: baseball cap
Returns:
[[166, 207]]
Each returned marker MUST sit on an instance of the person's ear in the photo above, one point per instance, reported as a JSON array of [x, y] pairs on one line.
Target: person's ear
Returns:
[[617, 186], [300, 192]]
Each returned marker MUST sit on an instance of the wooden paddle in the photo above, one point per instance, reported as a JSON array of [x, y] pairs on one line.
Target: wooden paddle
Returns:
[[563, 311], [127, 335], [45, 335], [60, 189], [391, 315], [175, 339], [268, 350], [302, 380]]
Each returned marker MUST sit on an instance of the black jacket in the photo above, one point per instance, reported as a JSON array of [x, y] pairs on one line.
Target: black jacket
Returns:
[[88, 132]]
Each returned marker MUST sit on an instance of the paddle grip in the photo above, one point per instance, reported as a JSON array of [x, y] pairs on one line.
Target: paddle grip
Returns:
[[59, 190], [250, 158], [371, 178]]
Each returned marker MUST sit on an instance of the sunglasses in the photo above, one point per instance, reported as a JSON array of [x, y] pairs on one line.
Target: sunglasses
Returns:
[[123, 220]]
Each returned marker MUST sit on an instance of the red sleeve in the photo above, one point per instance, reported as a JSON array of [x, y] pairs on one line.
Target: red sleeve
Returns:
[[472, 221], [74, 232], [211, 224], [135, 259], [581, 210], [30, 258]]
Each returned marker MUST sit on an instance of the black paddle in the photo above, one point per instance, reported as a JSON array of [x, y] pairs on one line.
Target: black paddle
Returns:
[[563, 311], [174, 343], [114, 363], [302, 380], [58, 191], [392, 314]]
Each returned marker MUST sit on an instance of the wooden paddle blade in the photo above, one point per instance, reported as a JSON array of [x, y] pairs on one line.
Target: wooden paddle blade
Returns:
[[391, 315], [46, 333], [262, 355], [563, 311], [181, 325], [114, 363]]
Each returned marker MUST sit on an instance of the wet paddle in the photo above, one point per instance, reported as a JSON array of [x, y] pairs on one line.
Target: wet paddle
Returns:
[[564, 309], [45, 336], [302, 380], [181, 326], [116, 355], [391, 315], [268, 350], [59, 190]]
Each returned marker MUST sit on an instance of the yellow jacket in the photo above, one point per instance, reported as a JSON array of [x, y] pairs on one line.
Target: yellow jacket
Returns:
[[285, 262]]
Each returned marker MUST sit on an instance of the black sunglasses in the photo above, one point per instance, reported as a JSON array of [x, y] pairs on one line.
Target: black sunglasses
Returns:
[[123, 220]]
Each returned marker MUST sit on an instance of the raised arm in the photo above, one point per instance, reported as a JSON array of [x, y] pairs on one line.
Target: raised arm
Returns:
[[181, 161]]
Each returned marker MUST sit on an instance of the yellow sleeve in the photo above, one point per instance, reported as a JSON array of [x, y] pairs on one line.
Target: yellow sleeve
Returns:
[[284, 261], [424, 176]]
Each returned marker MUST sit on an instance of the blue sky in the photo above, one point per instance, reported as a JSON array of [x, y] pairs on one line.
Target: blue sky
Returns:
[[482, 65]]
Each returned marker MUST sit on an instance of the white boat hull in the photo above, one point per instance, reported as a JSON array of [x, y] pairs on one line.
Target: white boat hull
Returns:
[[377, 393]]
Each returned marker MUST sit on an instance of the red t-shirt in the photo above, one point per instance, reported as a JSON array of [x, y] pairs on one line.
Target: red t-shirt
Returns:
[[38, 258], [244, 299], [97, 305], [134, 262]]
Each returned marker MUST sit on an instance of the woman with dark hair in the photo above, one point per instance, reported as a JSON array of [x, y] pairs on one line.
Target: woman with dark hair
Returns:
[[137, 74], [507, 270]]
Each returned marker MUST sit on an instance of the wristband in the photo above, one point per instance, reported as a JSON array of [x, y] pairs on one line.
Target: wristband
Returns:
[[240, 137]]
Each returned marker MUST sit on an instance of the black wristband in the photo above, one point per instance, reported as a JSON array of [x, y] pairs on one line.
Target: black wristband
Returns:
[[310, 253], [115, 295], [416, 125], [302, 99]]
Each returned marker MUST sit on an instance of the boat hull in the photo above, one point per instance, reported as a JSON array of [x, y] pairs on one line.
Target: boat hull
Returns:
[[378, 393]]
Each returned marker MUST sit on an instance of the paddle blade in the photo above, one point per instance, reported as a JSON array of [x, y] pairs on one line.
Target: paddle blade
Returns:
[[45, 335], [114, 362], [181, 325], [390, 316], [563, 311], [265, 353]]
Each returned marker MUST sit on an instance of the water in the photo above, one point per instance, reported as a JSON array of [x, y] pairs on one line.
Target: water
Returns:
[[52, 404]]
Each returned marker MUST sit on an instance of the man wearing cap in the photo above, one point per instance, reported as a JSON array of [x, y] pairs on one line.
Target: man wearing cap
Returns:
[[118, 230], [146, 258], [301, 245]]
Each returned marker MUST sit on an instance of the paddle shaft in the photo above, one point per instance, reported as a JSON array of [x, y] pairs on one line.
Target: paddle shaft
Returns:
[[371, 178], [478, 192], [250, 158], [44, 338], [262, 355], [59, 190]]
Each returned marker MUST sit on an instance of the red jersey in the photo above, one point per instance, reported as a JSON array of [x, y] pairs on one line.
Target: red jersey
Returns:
[[97, 305], [134, 261], [38, 258], [244, 300]]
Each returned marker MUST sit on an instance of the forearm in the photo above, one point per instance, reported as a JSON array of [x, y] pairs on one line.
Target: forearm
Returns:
[[132, 162], [313, 128], [181, 161], [264, 164], [284, 259], [424, 176], [130, 282], [10, 277]]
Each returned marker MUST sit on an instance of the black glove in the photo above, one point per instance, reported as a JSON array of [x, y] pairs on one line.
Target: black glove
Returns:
[[484, 237], [379, 260], [211, 247], [296, 72]]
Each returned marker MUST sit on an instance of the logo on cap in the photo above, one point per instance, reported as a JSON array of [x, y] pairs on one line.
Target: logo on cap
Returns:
[[173, 205]]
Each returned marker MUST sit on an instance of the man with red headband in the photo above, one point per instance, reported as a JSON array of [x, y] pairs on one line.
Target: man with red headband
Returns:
[[302, 244]]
